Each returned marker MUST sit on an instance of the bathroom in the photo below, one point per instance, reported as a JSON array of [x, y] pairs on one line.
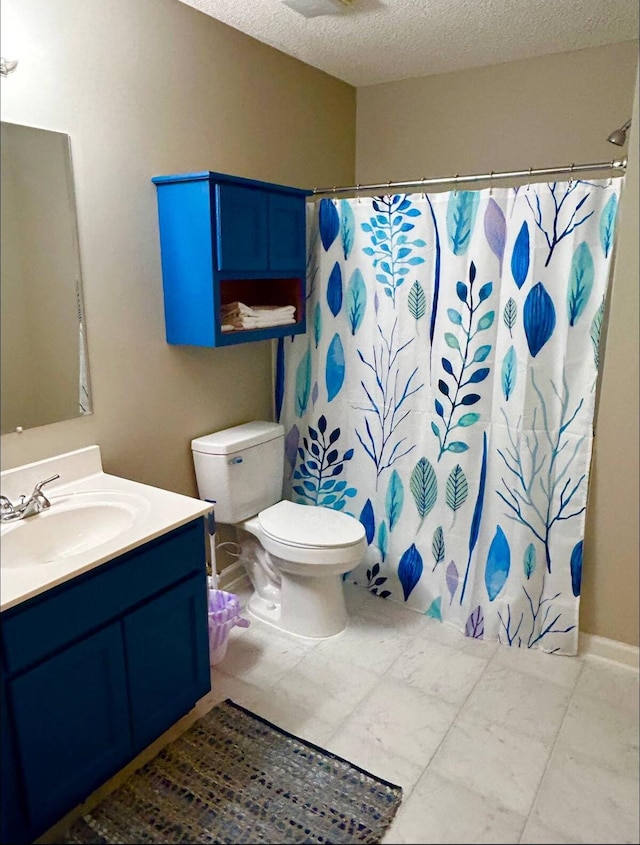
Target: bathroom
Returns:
[[148, 87]]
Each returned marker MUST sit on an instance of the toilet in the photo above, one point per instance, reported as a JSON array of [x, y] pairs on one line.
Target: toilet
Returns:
[[295, 555]]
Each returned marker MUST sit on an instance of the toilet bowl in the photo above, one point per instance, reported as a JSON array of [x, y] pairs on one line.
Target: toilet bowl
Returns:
[[295, 555]]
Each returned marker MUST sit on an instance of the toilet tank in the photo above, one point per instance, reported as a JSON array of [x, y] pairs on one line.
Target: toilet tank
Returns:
[[240, 469]]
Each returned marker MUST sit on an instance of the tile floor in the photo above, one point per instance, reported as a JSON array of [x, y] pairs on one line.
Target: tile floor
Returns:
[[489, 744]]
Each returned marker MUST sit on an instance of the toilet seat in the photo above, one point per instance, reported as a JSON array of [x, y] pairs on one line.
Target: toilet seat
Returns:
[[313, 535]]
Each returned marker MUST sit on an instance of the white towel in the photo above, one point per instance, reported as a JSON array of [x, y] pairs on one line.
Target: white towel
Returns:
[[239, 325]]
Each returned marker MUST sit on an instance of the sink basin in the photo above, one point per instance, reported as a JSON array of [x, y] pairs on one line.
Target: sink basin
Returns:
[[74, 524]]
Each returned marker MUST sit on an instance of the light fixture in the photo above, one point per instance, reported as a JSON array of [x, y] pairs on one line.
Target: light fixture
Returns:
[[315, 8], [619, 136], [7, 66]]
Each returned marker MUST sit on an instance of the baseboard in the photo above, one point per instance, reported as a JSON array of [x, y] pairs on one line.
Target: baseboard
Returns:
[[601, 647]]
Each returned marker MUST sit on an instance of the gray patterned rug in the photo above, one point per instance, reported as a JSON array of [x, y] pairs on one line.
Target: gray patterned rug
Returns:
[[235, 778]]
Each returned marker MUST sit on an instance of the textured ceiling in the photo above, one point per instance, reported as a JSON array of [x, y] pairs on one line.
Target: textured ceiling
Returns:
[[381, 40]]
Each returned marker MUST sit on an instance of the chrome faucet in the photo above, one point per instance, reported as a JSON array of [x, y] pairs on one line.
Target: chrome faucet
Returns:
[[36, 503]]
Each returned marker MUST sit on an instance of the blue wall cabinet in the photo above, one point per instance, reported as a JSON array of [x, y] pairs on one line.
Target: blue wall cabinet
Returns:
[[96, 669], [226, 239]]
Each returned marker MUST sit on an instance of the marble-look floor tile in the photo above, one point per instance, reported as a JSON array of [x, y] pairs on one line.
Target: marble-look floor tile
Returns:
[[385, 612], [557, 668], [610, 682], [523, 703], [441, 671], [442, 811], [226, 686], [504, 766], [303, 704], [354, 596], [324, 678], [539, 834], [402, 720], [262, 655], [441, 632], [582, 800], [353, 744], [610, 736], [364, 643]]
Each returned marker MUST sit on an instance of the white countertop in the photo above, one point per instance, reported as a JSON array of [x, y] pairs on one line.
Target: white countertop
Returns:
[[160, 511]]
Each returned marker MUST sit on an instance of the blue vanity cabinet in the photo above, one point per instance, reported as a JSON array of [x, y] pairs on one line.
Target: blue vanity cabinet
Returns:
[[95, 669], [226, 239]]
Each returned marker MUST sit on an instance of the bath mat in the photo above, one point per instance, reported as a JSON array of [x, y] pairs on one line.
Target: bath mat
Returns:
[[234, 778]]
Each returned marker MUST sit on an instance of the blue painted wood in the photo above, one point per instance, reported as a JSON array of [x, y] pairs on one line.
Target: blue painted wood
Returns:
[[213, 176], [13, 823], [215, 227], [184, 216], [287, 243], [241, 228], [72, 724], [77, 607], [166, 643]]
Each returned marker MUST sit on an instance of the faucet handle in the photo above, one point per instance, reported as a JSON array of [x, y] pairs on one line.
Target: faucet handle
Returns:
[[37, 489], [38, 494]]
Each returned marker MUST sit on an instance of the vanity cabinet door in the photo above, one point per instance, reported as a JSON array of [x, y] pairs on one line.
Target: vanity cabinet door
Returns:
[[167, 649], [72, 724]]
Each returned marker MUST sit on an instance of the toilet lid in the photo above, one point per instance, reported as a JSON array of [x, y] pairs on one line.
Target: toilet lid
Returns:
[[309, 526]]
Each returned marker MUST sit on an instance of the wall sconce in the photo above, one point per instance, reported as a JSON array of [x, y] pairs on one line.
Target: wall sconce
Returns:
[[7, 66]]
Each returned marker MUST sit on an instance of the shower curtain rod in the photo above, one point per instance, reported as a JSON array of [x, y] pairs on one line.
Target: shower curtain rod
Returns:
[[572, 169]]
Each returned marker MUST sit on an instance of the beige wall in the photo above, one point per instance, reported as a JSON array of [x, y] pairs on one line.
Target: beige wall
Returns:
[[148, 87], [539, 112], [610, 595]]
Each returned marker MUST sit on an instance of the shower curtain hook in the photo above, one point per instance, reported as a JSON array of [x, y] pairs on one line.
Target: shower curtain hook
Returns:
[[491, 184], [529, 182], [455, 181], [389, 187], [423, 180], [610, 182], [358, 197], [571, 173]]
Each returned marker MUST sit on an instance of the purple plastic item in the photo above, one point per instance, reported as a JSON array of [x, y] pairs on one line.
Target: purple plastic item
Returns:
[[224, 613]]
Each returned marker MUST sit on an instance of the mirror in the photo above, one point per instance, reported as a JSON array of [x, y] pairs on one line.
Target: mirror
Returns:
[[43, 354]]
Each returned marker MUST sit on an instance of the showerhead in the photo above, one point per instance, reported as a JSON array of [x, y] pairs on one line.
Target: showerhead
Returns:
[[619, 136]]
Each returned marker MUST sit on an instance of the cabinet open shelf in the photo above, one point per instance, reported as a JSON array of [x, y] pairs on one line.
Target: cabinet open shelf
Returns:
[[257, 293]]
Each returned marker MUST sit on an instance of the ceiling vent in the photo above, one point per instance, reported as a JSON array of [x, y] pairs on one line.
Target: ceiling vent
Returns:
[[315, 8]]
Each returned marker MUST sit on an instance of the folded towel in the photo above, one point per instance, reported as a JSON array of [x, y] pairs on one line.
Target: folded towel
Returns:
[[239, 325], [239, 309]]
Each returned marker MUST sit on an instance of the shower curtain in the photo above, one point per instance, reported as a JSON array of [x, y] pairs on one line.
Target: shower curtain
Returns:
[[444, 395]]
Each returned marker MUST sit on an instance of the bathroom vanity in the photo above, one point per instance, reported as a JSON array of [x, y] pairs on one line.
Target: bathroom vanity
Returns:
[[104, 646], [226, 239]]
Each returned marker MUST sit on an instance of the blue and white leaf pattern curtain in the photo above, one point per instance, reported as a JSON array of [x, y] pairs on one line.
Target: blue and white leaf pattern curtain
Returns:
[[444, 395]]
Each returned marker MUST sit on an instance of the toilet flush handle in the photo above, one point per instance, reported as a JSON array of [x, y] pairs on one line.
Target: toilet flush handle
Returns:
[[237, 460]]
